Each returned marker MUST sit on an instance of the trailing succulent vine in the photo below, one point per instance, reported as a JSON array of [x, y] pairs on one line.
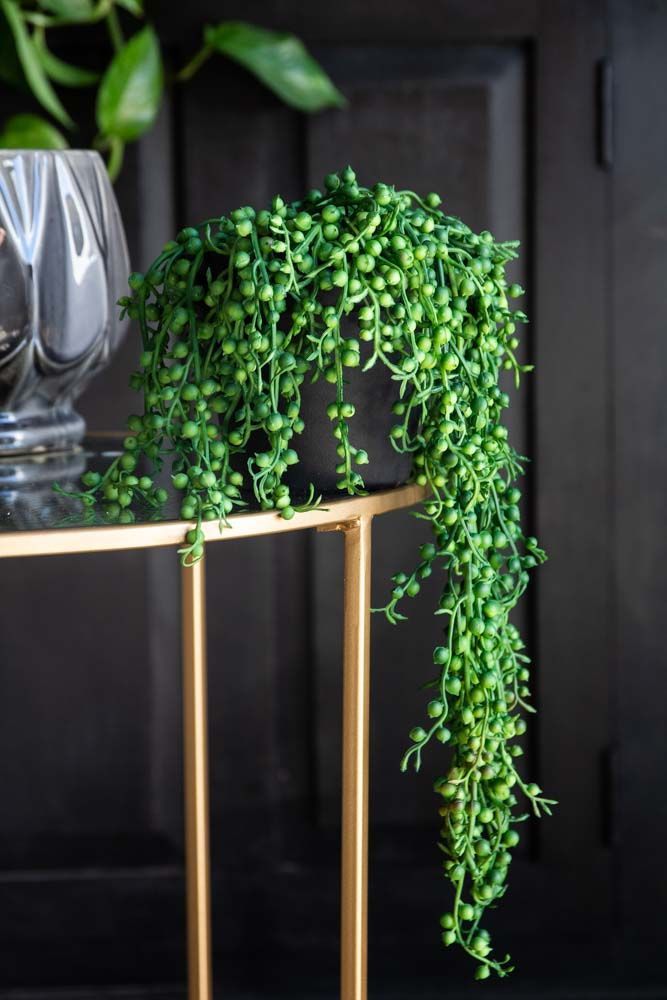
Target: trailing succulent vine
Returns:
[[235, 315]]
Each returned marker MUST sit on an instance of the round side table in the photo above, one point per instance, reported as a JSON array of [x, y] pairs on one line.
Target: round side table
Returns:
[[48, 527]]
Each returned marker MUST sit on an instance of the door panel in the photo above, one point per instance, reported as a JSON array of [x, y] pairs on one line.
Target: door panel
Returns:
[[640, 470]]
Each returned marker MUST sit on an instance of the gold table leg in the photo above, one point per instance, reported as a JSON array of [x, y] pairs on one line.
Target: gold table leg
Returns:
[[195, 754], [356, 690], [354, 848]]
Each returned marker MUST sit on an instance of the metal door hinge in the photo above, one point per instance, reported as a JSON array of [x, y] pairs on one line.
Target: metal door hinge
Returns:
[[604, 139]]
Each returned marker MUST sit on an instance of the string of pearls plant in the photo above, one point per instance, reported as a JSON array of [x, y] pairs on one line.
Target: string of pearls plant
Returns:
[[234, 316]]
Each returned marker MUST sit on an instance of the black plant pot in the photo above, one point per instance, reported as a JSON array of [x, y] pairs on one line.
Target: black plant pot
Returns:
[[373, 393]]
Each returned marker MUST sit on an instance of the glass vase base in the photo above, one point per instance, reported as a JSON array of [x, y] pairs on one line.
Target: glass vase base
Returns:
[[30, 433]]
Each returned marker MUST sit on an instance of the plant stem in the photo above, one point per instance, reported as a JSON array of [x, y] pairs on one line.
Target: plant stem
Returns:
[[116, 153], [115, 30], [197, 61]]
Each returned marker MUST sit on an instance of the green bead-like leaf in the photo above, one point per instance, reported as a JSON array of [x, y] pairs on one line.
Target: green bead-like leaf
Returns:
[[131, 90], [70, 10], [32, 67], [30, 132], [62, 72], [280, 61]]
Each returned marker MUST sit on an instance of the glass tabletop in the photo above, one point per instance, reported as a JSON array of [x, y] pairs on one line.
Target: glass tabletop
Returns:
[[29, 502], [32, 512]]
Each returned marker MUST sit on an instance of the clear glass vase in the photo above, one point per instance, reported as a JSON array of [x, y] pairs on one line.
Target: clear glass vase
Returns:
[[63, 266]]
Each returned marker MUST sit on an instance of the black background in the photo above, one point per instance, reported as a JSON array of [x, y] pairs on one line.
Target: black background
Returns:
[[496, 105]]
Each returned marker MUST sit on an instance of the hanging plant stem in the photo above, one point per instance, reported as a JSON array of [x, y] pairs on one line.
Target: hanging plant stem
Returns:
[[234, 316]]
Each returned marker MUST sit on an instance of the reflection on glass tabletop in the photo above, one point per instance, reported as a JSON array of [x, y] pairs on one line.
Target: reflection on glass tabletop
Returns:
[[32, 512], [28, 501]]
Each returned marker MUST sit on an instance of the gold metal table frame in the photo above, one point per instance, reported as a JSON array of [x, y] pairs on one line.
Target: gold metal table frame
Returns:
[[353, 517]]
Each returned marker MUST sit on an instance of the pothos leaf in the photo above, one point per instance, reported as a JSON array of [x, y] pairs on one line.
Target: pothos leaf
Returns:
[[70, 10], [32, 67], [131, 90], [280, 61], [62, 72], [30, 132]]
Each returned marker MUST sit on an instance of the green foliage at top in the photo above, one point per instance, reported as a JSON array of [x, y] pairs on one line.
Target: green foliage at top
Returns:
[[280, 61], [129, 96], [131, 87], [235, 315]]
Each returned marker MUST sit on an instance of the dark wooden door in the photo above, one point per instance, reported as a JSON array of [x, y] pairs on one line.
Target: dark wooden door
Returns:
[[498, 107]]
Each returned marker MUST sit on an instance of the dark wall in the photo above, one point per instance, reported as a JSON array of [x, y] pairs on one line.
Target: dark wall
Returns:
[[497, 106]]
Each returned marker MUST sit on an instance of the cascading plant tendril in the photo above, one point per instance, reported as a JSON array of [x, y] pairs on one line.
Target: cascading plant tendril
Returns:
[[234, 316]]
